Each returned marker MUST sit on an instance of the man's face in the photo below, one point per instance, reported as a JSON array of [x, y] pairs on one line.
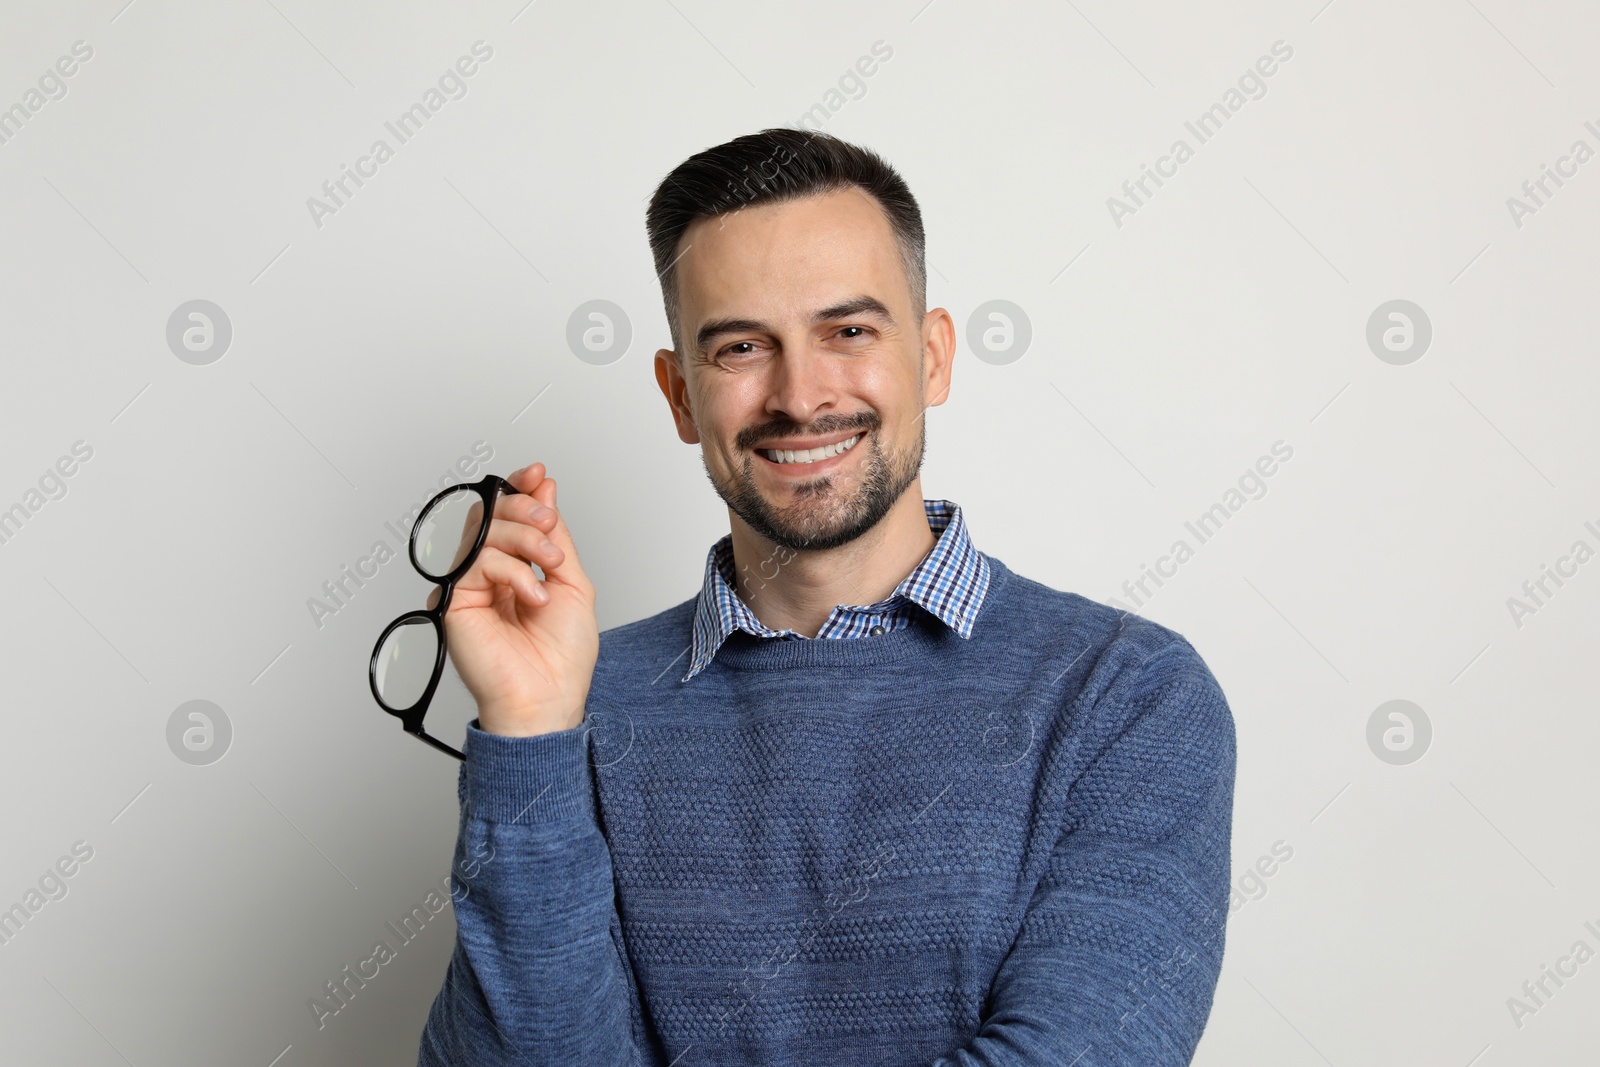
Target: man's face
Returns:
[[799, 333]]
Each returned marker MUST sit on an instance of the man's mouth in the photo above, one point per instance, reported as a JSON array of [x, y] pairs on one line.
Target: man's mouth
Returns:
[[809, 455]]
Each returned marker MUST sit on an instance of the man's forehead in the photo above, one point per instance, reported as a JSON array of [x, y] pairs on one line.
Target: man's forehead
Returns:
[[816, 248]]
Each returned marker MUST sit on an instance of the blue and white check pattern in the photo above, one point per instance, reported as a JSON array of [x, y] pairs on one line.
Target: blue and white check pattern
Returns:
[[949, 583]]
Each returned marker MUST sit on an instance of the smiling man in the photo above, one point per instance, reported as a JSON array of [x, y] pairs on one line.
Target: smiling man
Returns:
[[868, 797]]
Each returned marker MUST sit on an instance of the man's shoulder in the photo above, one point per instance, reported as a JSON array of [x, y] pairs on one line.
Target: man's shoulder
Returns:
[[1122, 669], [1108, 637]]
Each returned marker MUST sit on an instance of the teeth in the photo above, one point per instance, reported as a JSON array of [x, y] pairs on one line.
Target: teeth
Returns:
[[811, 455]]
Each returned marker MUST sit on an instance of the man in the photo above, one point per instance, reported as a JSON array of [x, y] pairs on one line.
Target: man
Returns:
[[871, 797]]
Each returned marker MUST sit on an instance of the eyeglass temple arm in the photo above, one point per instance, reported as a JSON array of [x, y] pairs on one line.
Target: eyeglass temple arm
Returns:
[[422, 735]]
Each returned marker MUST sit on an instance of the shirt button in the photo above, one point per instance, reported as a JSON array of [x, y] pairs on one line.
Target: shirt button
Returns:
[[876, 631]]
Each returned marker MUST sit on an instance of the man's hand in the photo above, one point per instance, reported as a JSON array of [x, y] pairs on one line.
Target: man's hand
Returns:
[[526, 649]]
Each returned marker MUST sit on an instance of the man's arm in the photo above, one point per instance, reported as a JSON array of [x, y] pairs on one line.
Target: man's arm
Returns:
[[1119, 951], [538, 975]]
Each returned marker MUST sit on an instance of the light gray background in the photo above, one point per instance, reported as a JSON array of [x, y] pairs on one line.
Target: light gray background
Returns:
[[1167, 354]]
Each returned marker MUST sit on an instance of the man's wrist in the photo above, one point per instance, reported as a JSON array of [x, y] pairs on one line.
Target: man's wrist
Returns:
[[513, 722]]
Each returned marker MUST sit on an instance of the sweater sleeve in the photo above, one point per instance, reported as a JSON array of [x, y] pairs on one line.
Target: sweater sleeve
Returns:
[[538, 975], [1120, 948]]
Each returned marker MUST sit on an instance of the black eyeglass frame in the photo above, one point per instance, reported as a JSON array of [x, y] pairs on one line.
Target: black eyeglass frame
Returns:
[[488, 489]]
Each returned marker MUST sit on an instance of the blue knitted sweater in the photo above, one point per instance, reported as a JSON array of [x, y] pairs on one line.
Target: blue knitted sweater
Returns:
[[914, 849]]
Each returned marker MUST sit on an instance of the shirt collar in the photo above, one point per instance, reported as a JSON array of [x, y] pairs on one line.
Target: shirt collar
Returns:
[[949, 583]]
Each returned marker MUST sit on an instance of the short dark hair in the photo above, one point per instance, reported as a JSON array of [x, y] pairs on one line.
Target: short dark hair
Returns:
[[734, 175]]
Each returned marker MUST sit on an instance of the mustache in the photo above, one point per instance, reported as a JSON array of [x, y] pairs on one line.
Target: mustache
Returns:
[[865, 421]]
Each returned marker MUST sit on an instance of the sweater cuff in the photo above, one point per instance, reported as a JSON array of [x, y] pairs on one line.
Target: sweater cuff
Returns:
[[527, 780]]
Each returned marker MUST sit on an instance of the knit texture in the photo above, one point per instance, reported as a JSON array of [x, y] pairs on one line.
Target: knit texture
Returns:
[[905, 849]]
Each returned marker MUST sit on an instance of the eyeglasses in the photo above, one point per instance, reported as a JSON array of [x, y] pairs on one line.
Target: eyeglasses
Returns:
[[408, 659]]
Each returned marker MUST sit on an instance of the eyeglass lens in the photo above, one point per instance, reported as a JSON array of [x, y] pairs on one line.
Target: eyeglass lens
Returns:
[[405, 663], [447, 532]]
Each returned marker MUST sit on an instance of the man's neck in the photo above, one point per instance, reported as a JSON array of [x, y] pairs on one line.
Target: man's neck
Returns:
[[790, 590]]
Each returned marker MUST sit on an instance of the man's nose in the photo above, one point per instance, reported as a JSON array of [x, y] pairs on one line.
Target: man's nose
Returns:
[[802, 384]]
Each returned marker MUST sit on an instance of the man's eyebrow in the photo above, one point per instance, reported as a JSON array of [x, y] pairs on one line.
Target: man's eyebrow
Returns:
[[859, 305], [717, 327]]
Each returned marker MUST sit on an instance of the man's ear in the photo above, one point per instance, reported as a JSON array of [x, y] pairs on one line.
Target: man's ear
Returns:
[[938, 352], [669, 376]]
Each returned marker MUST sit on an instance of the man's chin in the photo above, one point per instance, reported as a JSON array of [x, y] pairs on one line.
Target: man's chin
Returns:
[[799, 521], [809, 521]]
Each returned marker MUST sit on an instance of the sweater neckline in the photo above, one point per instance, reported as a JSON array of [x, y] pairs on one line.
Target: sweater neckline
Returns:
[[924, 635]]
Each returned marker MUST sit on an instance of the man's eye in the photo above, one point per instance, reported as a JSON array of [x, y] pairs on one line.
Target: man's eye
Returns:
[[861, 332], [732, 350]]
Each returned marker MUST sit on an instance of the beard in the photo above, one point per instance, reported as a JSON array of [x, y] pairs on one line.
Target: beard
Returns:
[[822, 515]]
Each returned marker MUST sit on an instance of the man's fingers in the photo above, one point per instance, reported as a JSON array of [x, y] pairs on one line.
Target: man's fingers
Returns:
[[494, 568], [528, 478], [527, 538], [569, 571], [524, 481], [530, 525]]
